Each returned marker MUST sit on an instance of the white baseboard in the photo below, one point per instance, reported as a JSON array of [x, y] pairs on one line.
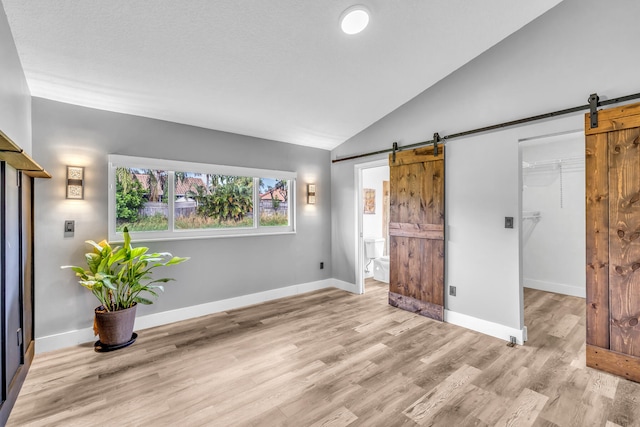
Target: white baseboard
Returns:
[[484, 326], [345, 286], [81, 336], [558, 288]]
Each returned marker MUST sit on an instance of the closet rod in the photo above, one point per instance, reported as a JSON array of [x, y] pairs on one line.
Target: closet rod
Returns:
[[495, 127]]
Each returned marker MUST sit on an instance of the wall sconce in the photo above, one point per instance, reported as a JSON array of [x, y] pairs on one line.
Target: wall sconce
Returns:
[[311, 194], [75, 182]]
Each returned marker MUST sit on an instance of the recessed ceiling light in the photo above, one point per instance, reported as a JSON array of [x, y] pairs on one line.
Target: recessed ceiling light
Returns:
[[354, 19]]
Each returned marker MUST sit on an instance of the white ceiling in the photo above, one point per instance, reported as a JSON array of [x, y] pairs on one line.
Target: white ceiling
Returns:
[[275, 69]]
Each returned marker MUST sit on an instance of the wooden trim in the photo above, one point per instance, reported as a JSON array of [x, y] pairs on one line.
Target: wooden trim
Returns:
[[37, 174], [597, 239], [417, 155], [614, 363], [386, 214], [15, 156], [423, 308], [16, 384], [421, 231], [619, 118], [6, 144], [20, 161]]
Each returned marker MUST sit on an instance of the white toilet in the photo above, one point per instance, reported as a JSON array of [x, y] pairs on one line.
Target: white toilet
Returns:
[[373, 251], [381, 269]]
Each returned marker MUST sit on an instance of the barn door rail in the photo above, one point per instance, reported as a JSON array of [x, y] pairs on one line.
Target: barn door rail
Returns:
[[594, 103]]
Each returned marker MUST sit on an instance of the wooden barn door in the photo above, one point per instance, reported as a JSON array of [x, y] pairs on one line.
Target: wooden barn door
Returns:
[[416, 231], [613, 241]]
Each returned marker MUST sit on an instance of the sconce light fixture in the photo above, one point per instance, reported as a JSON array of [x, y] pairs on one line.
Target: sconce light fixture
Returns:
[[75, 182], [311, 194]]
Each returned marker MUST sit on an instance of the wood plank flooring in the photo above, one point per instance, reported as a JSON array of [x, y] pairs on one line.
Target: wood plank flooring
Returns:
[[330, 358]]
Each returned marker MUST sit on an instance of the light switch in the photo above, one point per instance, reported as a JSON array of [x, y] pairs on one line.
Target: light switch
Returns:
[[508, 222]]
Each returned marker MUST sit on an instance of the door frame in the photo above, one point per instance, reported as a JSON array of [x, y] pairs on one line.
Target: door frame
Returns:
[[521, 141], [359, 212]]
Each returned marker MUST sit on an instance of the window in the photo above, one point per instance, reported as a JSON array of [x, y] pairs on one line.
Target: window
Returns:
[[212, 201], [161, 199], [141, 199], [274, 202]]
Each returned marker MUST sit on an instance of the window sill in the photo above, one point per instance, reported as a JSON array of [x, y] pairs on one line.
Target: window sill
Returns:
[[177, 236]]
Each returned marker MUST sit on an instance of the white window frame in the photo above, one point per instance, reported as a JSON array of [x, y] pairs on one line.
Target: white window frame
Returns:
[[171, 166]]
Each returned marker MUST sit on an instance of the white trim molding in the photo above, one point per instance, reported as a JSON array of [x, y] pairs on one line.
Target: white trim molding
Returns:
[[359, 212], [82, 336], [485, 327], [558, 288], [346, 286]]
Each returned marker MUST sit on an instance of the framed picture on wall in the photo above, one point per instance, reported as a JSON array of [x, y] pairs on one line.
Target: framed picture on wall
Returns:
[[369, 195]]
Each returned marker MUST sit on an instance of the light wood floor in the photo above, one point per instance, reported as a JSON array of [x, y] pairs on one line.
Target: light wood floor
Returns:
[[330, 358]]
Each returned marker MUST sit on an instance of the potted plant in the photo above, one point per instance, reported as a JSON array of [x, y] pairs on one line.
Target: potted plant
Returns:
[[120, 278]]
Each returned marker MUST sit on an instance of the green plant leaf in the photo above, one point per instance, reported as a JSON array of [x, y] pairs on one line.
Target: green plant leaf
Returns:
[[89, 284], [79, 270], [127, 238], [176, 260], [135, 253], [163, 280], [143, 300], [147, 260], [95, 245], [161, 254], [117, 256], [93, 261], [108, 284]]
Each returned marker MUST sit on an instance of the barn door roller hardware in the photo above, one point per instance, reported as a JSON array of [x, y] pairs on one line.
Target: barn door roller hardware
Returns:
[[395, 148], [593, 109], [592, 106], [436, 139]]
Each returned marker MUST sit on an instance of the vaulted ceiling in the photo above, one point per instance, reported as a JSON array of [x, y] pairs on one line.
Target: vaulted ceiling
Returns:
[[274, 69]]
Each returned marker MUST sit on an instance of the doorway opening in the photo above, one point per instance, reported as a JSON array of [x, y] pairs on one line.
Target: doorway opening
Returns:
[[372, 231], [552, 237]]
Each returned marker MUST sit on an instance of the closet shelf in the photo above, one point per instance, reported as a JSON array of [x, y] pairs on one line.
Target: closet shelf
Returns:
[[553, 164], [531, 215]]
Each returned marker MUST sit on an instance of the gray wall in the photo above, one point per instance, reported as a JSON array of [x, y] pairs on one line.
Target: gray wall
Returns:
[[219, 268], [555, 62], [15, 98]]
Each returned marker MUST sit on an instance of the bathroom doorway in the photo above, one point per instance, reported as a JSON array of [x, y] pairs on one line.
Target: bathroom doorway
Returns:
[[372, 231]]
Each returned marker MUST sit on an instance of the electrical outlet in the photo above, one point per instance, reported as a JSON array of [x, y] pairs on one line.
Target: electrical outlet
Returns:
[[508, 222], [321, 265], [452, 291]]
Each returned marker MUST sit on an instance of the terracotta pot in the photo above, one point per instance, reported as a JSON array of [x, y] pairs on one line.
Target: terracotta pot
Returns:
[[115, 327]]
